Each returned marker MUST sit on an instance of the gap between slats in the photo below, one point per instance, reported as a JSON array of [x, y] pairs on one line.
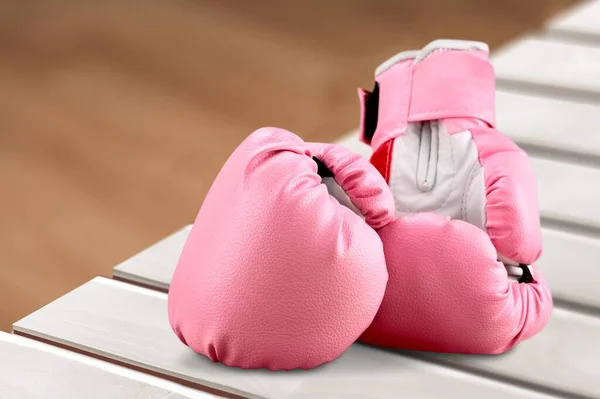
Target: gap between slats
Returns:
[[546, 90], [562, 155], [128, 381], [554, 89], [575, 24], [551, 128], [563, 226], [495, 377], [578, 38], [130, 279], [181, 381]]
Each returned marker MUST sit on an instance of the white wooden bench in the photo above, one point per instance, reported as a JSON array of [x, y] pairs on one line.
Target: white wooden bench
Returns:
[[31, 369], [110, 338]]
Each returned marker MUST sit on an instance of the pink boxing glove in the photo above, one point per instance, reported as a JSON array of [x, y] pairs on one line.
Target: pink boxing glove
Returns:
[[276, 272], [460, 254]]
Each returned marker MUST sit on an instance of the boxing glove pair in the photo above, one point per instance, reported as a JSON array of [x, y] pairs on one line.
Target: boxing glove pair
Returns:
[[300, 249]]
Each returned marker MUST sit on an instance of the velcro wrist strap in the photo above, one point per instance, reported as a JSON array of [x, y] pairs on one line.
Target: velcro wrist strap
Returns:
[[447, 84], [453, 84]]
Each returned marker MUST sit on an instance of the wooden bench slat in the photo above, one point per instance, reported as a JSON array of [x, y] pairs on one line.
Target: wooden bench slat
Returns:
[[565, 355], [567, 68], [153, 267], [568, 192], [128, 323], [30, 369], [550, 125], [580, 22], [570, 264]]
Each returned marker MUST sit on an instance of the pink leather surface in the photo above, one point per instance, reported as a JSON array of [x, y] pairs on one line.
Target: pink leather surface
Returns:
[[447, 292], [513, 218], [275, 272], [464, 87]]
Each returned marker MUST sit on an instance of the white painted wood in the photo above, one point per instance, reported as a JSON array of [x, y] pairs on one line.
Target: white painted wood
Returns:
[[563, 66], [130, 323], [566, 355], [571, 265], [568, 192], [154, 266], [550, 123], [30, 369], [582, 21]]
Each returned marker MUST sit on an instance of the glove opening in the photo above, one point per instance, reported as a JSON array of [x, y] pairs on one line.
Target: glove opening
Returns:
[[322, 170], [334, 189]]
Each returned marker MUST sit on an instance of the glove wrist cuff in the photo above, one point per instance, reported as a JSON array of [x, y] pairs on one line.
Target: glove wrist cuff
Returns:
[[452, 84], [444, 84]]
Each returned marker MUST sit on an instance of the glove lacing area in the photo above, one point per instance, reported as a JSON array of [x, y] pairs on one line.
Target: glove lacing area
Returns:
[[518, 272], [527, 276]]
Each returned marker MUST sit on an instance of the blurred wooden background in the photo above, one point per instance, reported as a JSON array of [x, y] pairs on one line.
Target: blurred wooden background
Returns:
[[115, 116]]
